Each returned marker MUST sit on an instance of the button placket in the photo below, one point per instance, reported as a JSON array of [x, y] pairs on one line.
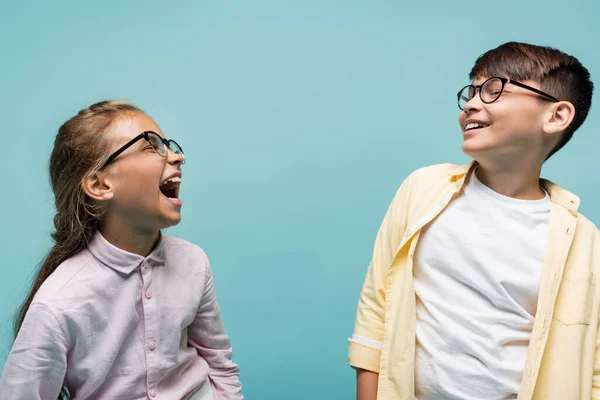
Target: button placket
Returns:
[[150, 327], [546, 322]]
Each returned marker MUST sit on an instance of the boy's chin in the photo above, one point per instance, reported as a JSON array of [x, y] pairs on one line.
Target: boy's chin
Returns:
[[475, 147], [472, 149]]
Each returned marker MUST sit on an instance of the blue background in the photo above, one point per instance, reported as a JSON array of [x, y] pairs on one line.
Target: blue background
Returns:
[[299, 121]]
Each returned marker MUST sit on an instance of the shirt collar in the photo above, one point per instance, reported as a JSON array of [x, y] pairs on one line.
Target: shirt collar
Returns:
[[121, 260], [561, 196], [558, 195], [458, 173]]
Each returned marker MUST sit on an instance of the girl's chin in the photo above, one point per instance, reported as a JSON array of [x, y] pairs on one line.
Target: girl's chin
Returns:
[[171, 220]]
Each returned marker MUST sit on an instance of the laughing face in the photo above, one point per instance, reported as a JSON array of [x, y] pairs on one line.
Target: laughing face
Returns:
[[144, 183], [507, 129]]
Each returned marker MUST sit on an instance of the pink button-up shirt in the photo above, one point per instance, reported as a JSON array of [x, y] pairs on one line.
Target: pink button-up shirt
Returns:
[[111, 324]]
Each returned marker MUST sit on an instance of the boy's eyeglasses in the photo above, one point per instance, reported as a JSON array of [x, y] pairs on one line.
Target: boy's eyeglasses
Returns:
[[159, 145], [491, 89]]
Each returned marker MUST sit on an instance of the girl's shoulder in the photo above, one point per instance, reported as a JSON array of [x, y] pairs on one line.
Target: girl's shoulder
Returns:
[[64, 276], [171, 242], [184, 252]]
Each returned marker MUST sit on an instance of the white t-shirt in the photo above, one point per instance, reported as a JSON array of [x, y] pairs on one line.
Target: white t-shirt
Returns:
[[477, 275]]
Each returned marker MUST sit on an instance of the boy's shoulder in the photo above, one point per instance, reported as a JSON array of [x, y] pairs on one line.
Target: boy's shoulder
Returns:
[[435, 177], [427, 186], [583, 223], [443, 171], [570, 202]]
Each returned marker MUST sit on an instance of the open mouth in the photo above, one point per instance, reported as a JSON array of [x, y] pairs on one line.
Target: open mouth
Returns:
[[170, 187], [474, 125]]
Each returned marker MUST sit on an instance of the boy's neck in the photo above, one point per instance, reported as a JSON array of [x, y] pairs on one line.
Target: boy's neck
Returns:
[[516, 181], [130, 239]]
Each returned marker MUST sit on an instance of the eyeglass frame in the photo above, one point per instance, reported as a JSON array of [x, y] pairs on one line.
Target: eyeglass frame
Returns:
[[144, 135], [504, 81]]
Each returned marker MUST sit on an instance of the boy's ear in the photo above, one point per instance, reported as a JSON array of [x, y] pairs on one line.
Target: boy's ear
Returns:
[[98, 186], [559, 118]]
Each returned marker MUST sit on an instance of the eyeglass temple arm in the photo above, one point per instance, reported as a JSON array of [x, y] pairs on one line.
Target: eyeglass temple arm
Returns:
[[534, 90], [125, 147]]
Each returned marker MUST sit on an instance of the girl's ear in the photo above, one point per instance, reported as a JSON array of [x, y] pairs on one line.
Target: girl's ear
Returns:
[[97, 185]]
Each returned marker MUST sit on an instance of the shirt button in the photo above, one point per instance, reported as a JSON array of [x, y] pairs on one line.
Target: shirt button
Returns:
[[408, 233], [144, 270], [556, 276], [153, 393], [148, 294], [152, 345]]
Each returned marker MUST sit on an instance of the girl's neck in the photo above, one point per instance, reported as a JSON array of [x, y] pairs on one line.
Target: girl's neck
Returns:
[[128, 238]]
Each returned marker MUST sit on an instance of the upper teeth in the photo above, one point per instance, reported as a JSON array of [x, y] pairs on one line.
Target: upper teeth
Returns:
[[473, 125], [174, 179]]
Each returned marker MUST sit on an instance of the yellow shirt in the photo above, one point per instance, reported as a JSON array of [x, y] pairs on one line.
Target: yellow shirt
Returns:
[[562, 360]]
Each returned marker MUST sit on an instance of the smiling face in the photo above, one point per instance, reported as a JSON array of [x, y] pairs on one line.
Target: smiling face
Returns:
[[507, 130], [144, 184]]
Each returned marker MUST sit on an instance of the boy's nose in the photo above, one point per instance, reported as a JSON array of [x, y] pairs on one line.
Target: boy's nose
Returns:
[[474, 104]]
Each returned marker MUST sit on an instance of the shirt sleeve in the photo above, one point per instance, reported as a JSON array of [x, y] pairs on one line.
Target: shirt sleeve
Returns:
[[36, 366], [207, 335], [364, 348], [596, 376], [596, 370]]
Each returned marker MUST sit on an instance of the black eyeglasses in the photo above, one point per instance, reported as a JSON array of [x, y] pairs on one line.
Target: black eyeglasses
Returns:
[[491, 89], [158, 144]]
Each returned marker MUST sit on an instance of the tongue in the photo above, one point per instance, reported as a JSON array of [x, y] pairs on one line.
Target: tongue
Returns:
[[168, 189], [168, 186]]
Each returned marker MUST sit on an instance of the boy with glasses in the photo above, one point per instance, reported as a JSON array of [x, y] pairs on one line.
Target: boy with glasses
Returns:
[[482, 283]]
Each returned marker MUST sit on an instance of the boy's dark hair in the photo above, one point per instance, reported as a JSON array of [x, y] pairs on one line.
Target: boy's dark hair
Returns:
[[558, 74]]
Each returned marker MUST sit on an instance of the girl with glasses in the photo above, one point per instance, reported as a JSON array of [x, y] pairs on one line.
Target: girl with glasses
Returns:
[[117, 310]]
